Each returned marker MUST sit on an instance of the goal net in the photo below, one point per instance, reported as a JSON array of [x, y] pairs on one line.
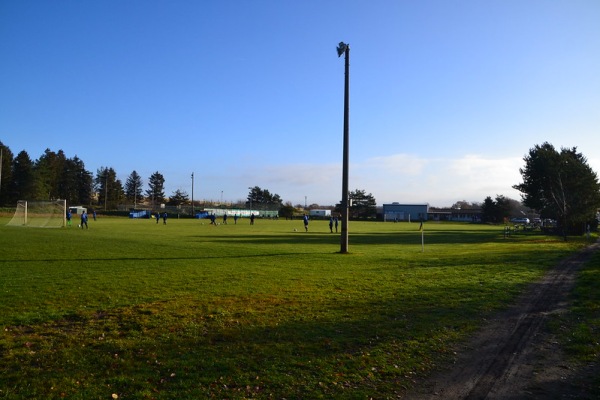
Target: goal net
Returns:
[[40, 214]]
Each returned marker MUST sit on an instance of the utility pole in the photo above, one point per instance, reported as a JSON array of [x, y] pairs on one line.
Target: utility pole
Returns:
[[344, 48], [193, 212], [105, 187]]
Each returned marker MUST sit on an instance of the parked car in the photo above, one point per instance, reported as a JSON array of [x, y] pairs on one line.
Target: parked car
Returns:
[[520, 220]]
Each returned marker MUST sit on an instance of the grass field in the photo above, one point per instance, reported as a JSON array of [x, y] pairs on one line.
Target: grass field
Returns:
[[135, 309]]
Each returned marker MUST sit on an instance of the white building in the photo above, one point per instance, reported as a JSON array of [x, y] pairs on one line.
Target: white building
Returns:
[[320, 213]]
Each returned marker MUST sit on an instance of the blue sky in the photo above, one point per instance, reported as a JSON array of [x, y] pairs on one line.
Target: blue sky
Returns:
[[446, 97]]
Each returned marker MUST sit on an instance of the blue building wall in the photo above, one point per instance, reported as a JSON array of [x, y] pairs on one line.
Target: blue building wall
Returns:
[[405, 212]]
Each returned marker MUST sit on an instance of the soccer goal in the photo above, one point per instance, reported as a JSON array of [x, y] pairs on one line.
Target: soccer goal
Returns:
[[40, 214]]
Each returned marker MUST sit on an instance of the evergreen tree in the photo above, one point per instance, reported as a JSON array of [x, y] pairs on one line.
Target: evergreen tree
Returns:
[[156, 191], [133, 187], [23, 182], [503, 208], [109, 188], [362, 205], [83, 181], [5, 174], [488, 210], [48, 169], [262, 198], [52, 176], [67, 184], [496, 211], [178, 198], [561, 185], [287, 210]]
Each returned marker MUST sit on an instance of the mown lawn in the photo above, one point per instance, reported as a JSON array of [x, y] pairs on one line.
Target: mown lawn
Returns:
[[138, 310]]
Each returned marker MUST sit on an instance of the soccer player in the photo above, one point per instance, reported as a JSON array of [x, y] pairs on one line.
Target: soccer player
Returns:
[[84, 218]]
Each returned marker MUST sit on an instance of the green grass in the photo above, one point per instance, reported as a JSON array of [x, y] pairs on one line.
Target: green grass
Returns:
[[188, 310], [579, 330]]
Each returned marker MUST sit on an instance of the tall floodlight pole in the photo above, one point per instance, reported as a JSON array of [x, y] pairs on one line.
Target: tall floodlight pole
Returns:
[[193, 212], [344, 48]]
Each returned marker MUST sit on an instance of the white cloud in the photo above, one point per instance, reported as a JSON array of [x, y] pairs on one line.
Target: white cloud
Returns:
[[440, 182], [397, 177]]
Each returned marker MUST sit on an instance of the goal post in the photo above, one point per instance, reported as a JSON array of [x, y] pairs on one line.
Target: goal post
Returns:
[[40, 214]]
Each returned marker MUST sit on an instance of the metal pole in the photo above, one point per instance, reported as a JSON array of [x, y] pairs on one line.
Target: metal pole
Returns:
[[193, 212], [344, 236], [105, 187]]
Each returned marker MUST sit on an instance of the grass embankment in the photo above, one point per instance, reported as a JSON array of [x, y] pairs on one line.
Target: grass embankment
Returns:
[[188, 310]]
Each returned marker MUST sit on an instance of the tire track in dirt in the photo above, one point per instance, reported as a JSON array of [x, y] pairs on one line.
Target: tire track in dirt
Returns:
[[510, 358]]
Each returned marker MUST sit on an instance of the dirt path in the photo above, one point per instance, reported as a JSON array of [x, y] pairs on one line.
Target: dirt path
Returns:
[[514, 356]]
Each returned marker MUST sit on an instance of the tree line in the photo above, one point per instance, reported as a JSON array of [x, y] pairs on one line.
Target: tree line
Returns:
[[55, 176], [557, 185]]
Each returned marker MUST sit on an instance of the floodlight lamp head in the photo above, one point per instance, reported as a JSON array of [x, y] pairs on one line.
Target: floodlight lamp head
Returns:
[[341, 49]]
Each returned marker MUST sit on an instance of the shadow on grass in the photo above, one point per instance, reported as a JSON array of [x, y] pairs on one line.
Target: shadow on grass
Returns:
[[340, 343], [286, 348], [304, 240], [343, 342], [382, 238], [201, 257]]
